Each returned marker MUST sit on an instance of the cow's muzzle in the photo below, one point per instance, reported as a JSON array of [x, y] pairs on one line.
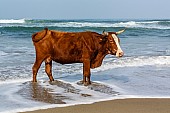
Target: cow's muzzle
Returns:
[[119, 54]]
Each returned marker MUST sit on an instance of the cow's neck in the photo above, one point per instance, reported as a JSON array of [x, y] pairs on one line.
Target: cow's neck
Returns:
[[97, 61], [100, 53]]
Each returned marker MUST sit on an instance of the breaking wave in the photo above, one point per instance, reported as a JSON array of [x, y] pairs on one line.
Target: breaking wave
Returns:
[[111, 63], [129, 24], [3, 53], [12, 21], [149, 24]]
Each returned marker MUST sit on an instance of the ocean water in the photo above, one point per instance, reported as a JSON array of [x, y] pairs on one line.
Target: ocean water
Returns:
[[143, 72]]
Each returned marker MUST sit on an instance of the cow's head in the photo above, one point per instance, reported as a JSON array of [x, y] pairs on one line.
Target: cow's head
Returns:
[[113, 43]]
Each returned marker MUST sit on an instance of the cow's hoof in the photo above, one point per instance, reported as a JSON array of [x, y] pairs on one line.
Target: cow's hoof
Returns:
[[87, 83], [51, 80], [34, 81], [83, 83], [80, 82]]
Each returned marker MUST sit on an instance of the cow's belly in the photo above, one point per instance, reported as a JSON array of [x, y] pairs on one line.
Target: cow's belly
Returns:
[[67, 60]]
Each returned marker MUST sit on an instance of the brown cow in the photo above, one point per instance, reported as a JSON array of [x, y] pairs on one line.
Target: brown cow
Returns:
[[88, 48]]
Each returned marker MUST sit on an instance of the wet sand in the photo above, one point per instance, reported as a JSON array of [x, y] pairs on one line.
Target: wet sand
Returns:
[[146, 105]]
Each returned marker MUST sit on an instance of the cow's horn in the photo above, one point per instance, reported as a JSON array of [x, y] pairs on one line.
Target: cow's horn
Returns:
[[121, 31]]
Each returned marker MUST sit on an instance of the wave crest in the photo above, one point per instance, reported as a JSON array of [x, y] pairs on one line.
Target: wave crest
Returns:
[[148, 24], [111, 63], [10, 21], [129, 24], [3, 53]]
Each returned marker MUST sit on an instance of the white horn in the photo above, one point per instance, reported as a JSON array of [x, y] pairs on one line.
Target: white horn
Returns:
[[121, 31]]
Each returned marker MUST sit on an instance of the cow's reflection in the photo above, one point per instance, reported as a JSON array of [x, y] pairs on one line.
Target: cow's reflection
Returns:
[[36, 92]]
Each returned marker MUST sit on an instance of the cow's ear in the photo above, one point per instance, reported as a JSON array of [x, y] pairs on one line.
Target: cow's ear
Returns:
[[105, 33]]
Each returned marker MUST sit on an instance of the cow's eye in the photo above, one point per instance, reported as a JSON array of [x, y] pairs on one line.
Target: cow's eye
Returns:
[[110, 41]]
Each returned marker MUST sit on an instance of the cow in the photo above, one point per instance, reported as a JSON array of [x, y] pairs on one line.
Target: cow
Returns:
[[87, 47]]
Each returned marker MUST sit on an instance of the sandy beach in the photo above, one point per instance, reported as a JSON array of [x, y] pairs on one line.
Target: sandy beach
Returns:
[[144, 105]]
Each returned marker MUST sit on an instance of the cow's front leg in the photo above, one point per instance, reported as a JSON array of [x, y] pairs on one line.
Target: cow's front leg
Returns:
[[86, 72]]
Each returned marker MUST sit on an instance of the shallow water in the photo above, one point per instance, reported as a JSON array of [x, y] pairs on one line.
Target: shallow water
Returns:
[[144, 71]]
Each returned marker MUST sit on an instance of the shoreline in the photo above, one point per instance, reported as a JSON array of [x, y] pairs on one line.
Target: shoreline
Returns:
[[130, 105]]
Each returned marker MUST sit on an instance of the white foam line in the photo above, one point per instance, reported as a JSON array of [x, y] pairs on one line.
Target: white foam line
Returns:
[[12, 21], [121, 97], [14, 81]]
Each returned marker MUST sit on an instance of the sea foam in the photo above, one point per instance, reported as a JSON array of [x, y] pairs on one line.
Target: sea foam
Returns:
[[12, 21], [111, 63], [3, 53]]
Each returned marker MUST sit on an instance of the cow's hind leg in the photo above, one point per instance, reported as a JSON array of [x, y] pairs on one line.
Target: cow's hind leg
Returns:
[[86, 72], [48, 68], [35, 69]]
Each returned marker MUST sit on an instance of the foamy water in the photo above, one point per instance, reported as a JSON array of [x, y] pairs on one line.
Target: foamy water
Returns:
[[12, 21], [143, 72]]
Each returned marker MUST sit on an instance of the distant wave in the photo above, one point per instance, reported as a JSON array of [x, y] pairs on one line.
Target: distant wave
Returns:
[[111, 63], [148, 24], [2, 53], [145, 24], [129, 24], [10, 21]]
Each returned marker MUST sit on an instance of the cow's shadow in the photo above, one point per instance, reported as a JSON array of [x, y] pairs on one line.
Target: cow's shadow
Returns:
[[34, 91]]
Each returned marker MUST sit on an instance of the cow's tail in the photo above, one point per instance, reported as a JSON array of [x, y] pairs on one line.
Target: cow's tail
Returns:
[[39, 35]]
